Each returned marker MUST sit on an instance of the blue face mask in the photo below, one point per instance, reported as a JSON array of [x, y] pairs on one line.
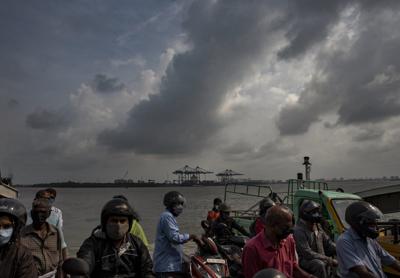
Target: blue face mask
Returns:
[[51, 201], [5, 235]]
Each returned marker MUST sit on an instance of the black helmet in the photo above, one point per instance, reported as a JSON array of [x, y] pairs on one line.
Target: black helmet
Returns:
[[116, 207], [224, 207], [310, 211], [360, 215], [16, 210], [265, 204], [173, 198], [269, 273]]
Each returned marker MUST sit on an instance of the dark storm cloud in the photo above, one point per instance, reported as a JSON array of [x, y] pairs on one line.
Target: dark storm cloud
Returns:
[[46, 119], [309, 24], [362, 85], [104, 84], [228, 38]]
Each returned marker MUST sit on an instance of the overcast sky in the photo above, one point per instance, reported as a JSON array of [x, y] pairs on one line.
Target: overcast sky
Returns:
[[92, 89]]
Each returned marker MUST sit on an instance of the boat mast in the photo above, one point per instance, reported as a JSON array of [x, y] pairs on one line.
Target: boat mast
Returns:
[[307, 165]]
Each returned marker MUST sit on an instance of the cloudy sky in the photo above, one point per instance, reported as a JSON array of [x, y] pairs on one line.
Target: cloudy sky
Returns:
[[92, 89]]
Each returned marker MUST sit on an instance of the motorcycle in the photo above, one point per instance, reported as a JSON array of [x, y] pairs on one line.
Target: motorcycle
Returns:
[[207, 261], [230, 250]]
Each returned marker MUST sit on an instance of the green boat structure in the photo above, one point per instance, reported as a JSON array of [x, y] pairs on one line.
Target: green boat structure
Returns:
[[333, 204]]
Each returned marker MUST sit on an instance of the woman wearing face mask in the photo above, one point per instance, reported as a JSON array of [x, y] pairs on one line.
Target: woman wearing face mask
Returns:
[[112, 251], [16, 261]]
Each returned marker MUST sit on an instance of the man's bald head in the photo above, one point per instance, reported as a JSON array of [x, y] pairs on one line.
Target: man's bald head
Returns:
[[277, 215]]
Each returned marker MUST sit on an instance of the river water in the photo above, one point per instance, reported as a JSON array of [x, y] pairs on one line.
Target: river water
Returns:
[[81, 207]]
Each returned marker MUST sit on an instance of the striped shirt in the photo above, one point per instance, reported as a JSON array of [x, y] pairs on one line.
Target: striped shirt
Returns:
[[46, 251]]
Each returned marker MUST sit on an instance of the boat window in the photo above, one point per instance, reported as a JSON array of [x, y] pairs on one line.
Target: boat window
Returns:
[[340, 206]]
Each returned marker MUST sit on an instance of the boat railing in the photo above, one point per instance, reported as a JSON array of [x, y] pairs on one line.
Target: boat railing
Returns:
[[252, 190], [249, 190]]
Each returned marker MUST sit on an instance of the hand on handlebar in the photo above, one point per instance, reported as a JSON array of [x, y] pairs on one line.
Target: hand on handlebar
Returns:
[[196, 239]]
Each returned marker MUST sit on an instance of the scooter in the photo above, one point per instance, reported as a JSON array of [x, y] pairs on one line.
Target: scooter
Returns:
[[207, 261], [231, 252]]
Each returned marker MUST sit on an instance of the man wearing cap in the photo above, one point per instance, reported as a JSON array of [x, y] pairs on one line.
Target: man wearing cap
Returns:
[[43, 240], [224, 225], [213, 214], [55, 217], [168, 254]]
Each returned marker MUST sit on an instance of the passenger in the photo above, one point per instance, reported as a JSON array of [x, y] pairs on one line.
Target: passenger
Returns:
[[16, 260], [43, 240], [213, 214], [223, 228], [168, 253], [275, 247], [55, 217], [269, 273], [259, 224], [112, 251], [313, 245], [76, 268], [359, 254], [136, 229]]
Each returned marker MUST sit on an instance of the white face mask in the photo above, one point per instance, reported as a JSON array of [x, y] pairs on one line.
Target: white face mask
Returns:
[[5, 235]]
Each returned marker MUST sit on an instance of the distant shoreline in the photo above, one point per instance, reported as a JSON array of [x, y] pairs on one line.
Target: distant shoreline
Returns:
[[71, 184], [112, 185]]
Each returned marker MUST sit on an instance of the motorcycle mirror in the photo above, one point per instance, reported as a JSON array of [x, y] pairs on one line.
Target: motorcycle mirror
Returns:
[[76, 267]]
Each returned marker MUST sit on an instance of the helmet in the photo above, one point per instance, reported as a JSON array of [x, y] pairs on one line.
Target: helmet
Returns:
[[173, 198], [310, 211], [265, 204], [116, 207], [76, 266], [360, 215], [16, 210], [269, 273], [224, 207]]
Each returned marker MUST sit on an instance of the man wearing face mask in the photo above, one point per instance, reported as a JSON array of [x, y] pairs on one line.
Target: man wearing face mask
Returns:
[[16, 260], [213, 214], [168, 253], [223, 228], [43, 240], [55, 217], [274, 247], [112, 251], [259, 224], [359, 254], [313, 245]]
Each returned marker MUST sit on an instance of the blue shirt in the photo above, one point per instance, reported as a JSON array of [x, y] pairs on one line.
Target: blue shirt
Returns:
[[168, 251], [353, 250]]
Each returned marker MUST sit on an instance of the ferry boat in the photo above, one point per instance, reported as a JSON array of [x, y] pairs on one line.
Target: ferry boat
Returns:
[[6, 189]]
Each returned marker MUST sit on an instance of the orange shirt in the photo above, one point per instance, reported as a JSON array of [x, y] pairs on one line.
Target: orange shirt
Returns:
[[212, 215]]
